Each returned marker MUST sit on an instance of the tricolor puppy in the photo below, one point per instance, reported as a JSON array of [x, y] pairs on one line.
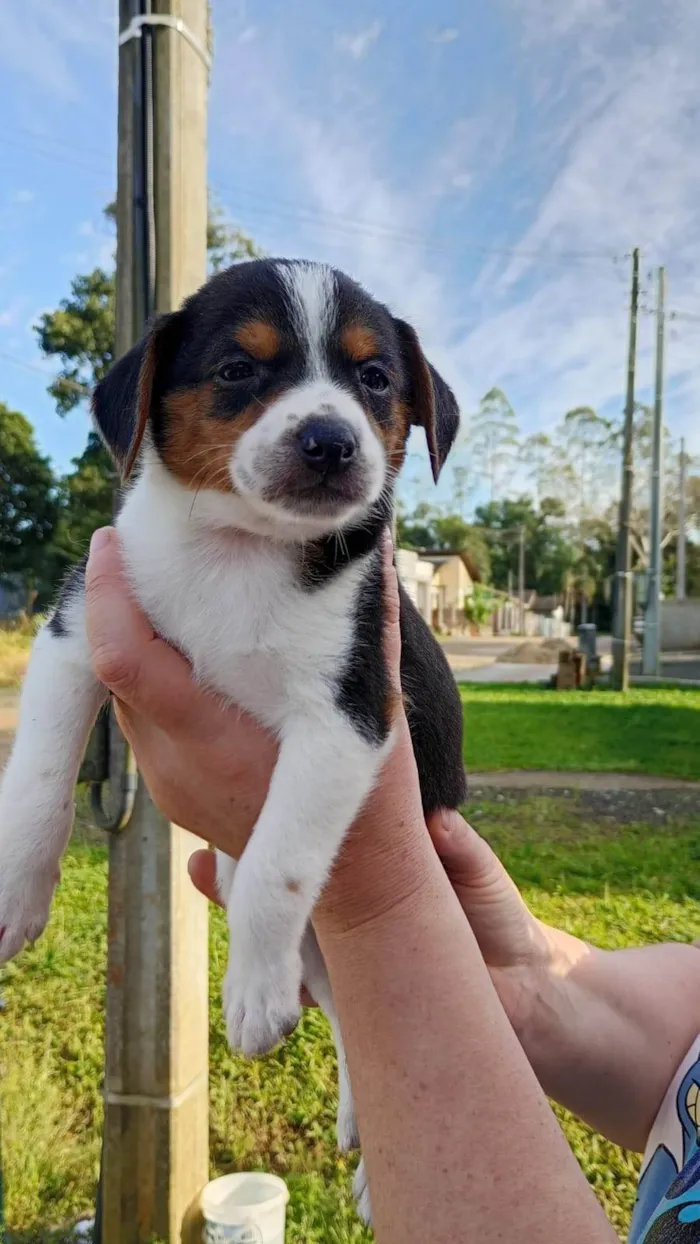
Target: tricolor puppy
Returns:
[[264, 423]]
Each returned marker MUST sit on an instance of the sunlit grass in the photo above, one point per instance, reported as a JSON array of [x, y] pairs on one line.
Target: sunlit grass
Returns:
[[517, 726], [615, 886]]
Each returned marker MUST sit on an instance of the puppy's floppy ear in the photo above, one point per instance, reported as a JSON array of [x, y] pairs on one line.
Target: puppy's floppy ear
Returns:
[[433, 404], [123, 400]]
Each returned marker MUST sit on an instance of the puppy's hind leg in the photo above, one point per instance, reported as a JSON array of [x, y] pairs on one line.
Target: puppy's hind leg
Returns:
[[319, 986], [60, 700]]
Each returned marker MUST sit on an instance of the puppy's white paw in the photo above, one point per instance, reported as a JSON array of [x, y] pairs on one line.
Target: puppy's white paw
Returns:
[[360, 1189], [261, 1006], [346, 1126], [25, 901]]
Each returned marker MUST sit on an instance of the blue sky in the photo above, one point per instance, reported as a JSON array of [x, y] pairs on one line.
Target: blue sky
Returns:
[[485, 169]]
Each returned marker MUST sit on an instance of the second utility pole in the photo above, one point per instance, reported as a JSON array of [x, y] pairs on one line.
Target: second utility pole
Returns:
[[680, 548], [652, 615], [521, 577], [622, 629]]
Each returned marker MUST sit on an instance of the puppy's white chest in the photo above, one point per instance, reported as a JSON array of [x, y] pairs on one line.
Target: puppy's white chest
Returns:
[[237, 611]]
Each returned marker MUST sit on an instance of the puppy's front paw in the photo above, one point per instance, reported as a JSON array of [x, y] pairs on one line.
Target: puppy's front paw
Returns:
[[360, 1189], [346, 1125], [25, 901], [261, 1006]]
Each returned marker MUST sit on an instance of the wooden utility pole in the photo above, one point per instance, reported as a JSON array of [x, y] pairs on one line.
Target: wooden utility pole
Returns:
[[521, 577], [622, 630], [680, 546], [155, 1153], [652, 614]]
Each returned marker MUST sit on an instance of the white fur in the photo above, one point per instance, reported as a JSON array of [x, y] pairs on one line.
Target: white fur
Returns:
[[312, 295], [253, 453], [232, 603], [60, 700]]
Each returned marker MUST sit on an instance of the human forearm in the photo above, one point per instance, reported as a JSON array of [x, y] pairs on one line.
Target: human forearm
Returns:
[[609, 1028], [446, 1100], [604, 1031]]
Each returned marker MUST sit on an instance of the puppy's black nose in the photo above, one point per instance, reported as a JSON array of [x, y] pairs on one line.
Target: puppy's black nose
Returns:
[[327, 445]]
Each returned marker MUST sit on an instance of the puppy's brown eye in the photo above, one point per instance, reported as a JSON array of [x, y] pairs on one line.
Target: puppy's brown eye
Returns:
[[231, 373], [374, 378]]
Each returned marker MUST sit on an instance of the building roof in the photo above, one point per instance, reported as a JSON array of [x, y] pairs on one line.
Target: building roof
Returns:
[[439, 556]]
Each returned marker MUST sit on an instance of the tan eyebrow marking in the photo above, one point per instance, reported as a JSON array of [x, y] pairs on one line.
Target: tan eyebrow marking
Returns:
[[359, 342], [259, 338]]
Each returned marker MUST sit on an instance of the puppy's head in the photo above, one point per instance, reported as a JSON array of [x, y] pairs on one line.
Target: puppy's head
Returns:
[[284, 387]]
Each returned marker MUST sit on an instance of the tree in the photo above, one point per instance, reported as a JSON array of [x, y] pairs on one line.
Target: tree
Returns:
[[549, 556], [431, 528], [480, 606], [29, 501], [226, 242], [462, 488], [587, 451], [80, 333], [538, 453], [494, 439], [692, 569], [87, 495]]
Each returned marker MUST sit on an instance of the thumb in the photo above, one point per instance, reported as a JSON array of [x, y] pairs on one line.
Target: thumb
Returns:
[[467, 858], [141, 670], [503, 925]]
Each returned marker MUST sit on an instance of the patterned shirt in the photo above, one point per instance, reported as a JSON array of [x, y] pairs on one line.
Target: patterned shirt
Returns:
[[667, 1209]]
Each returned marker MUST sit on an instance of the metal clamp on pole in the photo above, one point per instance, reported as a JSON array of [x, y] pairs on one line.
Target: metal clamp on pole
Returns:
[[118, 777], [135, 27]]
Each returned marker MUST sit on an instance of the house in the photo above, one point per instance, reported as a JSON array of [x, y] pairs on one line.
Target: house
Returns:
[[438, 583], [416, 578]]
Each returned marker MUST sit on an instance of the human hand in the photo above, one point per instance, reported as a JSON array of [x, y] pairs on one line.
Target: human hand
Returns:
[[522, 954], [208, 766]]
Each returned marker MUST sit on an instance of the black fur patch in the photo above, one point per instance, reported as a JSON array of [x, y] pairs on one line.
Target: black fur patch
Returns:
[[433, 704], [434, 711], [321, 560], [363, 689], [72, 587]]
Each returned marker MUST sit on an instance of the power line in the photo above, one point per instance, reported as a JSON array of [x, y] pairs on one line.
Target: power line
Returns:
[[55, 141], [280, 208], [48, 376], [277, 209], [59, 157]]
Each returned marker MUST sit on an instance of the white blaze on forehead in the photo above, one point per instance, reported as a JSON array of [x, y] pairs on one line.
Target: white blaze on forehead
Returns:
[[312, 293]]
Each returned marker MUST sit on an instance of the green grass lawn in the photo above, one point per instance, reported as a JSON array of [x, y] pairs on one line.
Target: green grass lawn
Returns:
[[524, 727], [616, 886]]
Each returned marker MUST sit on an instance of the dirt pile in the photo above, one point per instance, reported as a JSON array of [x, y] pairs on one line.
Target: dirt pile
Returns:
[[531, 653]]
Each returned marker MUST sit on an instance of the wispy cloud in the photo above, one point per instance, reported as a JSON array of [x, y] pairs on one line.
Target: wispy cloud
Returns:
[[40, 39], [610, 160], [357, 45], [448, 34], [22, 196], [626, 173]]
